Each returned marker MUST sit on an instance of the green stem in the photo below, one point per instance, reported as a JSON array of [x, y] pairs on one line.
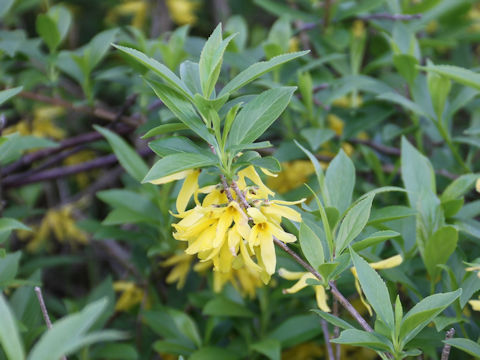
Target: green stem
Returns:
[[445, 135]]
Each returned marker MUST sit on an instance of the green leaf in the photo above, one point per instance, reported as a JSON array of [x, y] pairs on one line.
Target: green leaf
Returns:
[[374, 288], [271, 348], [374, 239], [9, 93], [340, 180], [439, 88], [177, 162], [221, 306], [332, 319], [417, 173], [5, 6], [174, 144], [353, 223], [213, 353], [424, 312], [296, 329], [117, 352], [98, 47], [257, 70], [389, 213], [70, 334], [158, 68], [9, 224], [404, 102], [211, 60], [9, 267], [438, 249], [9, 336], [459, 187], [257, 116], [182, 109], [164, 129], [466, 345], [363, 338], [128, 158], [48, 31], [311, 246], [456, 73], [406, 66]]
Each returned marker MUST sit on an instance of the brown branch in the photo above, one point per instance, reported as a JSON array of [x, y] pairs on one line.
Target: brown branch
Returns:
[[326, 336], [18, 180], [447, 347], [392, 17], [38, 291]]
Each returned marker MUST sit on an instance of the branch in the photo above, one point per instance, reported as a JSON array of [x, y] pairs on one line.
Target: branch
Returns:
[[18, 180], [326, 336], [392, 17], [447, 347]]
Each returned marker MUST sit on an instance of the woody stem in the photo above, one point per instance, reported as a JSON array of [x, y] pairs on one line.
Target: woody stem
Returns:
[[336, 293]]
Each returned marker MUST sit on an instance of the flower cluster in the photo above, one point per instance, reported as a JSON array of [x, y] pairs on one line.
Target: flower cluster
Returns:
[[235, 231]]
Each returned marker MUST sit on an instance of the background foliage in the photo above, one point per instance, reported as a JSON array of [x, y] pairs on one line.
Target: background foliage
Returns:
[[386, 103]]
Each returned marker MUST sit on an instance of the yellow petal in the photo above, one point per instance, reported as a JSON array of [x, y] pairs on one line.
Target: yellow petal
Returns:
[[477, 185], [362, 297], [282, 235], [268, 173], [169, 178], [282, 211], [290, 275], [256, 215], [473, 268], [249, 172], [321, 297], [267, 249], [475, 304], [249, 263], [300, 284], [190, 185], [284, 202], [388, 263]]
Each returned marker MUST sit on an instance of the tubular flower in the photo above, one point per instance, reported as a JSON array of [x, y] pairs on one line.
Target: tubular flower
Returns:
[[189, 187], [181, 264], [221, 231], [131, 295], [302, 278], [389, 263]]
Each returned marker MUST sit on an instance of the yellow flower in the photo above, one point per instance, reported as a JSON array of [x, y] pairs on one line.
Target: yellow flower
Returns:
[[42, 125], [137, 8], [302, 278], [389, 263], [182, 12], [59, 223], [181, 264], [267, 226], [475, 304], [131, 295], [82, 178], [305, 351], [294, 44], [336, 124], [358, 28], [293, 175], [189, 187], [477, 185], [348, 101]]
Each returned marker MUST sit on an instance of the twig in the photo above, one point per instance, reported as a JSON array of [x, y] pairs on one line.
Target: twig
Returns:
[[326, 13], [326, 336], [2, 125], [226, 188], [447, 347], [18, 180], [393, 17], [387, 150], [240, 195], [38, 291], [336, 331]]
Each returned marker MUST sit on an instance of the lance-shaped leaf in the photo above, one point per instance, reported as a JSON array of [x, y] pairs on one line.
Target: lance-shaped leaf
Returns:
[[256, 70], [257, 116], [9, 336], [374, 289]]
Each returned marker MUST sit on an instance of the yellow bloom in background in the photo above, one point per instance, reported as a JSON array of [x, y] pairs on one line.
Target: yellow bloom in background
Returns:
[[131, 296], [477, 185], [294, 44], [389, 263], [348, 101], [60, 223], [475, 304], [358, 28], [305, 351], [182, 12], [137, 9], [83, 178], [181, 264], [293, 174], [302, 277], [336, 124], [475, 268], [474, 15], [42, 125]]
